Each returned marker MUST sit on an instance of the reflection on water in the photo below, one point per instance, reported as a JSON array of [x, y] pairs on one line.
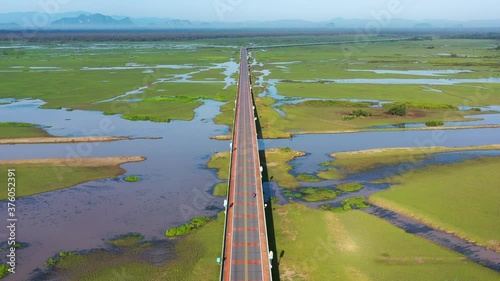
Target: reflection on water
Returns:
[[476, 253], [173, 189], [320, 146], [487, 119], [429, 72], [385, 171], [272, 92], [229, 69], [396, 81]]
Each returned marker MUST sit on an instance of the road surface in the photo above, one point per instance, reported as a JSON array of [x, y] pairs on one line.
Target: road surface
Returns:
[[246, 252]]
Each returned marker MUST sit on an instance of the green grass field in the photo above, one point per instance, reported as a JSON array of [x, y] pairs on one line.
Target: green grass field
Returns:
[[220, 161], [319, 245], [358, 161], [325, 62], [462, 94], [79, 76], [473, 61], [159, 111], [306, 118], [278, 167], [330, 174], [460, 198], [35, 178], [221, 190], [20, 130]]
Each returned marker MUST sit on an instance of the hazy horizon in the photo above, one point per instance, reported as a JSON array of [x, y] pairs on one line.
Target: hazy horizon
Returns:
[[260, 10]]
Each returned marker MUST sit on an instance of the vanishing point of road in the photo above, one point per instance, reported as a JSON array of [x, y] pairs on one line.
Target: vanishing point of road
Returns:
[[246, 255]]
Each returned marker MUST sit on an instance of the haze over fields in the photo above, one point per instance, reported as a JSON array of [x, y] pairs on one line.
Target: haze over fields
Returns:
[[252, 14]]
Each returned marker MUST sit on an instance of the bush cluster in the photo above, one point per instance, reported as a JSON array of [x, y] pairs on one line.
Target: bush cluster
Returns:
[[397, 109], [357, 202], [361, 112], [187, 228], [145, 118], [132, 179], [62, 255], [434, 123]]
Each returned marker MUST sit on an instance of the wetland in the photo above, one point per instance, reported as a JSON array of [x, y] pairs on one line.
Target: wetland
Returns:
[[161, 103]]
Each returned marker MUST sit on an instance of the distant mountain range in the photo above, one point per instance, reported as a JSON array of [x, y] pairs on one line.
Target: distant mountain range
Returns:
[[86, 20], [92, 19]]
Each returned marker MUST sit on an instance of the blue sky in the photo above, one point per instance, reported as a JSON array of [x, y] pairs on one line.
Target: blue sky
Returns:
[[242, 10]]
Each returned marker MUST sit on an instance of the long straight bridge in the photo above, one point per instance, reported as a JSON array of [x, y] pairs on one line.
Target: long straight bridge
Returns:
[[246, 255]]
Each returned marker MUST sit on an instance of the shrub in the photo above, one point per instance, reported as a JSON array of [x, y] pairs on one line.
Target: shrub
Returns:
[[127, 240], [132, 179], [434, 123], [361, 112], [66, 254], [51, 262], [145, 118], [476, 109], [4, 270], [326, 207], [422, 105], [357, 202], [288, 193], [187, 228], [348, 117], [397, 109]]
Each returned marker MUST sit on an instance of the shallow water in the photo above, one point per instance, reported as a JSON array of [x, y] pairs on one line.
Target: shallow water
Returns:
[[396, 81], [413, 72], [486, 119], [228, 69], [475, 253], [385, 171], [320, 146], [174, 184]]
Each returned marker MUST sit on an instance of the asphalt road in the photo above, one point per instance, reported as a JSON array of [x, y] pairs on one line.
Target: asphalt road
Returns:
[[246, 247]]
